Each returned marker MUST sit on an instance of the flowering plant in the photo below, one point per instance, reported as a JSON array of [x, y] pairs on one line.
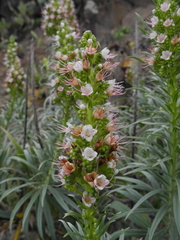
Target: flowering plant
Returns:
[[15, 76], [91, 149], [156, 162], [54, 12]]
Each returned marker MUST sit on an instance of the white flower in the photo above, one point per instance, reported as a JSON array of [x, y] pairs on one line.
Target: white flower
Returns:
[[166, 55], [56, 38], [58, 55], [105, 52], [87, 89], [60, 88], [153, 35], [178, 12], [112, 164], [89, 154], [80, 104], [50, 24], [90, 41], [154, 21], [168, 23], [88, 132], [78, 66], [101, 182], [87, 200], [161, 38], [165, 7], [53, 82]]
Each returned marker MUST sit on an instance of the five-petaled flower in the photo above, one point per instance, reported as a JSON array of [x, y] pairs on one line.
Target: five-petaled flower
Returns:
[[165, 7], [89, 154], [166, 55], [88, 200]]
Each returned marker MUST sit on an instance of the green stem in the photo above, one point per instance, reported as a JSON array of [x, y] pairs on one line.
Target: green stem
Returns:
[[173, 86], [89, 216]]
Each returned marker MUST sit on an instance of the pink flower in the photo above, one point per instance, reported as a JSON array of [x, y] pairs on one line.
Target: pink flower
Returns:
[[108, 65], [114, 88], [78, 66], [91, 50], [53, 82], [105, 53], [153, 35], [166, 55], [73, 81], [111, 164], [154, 50], [154, 21], [60, 88], [87, 200], [68, 168], [111, 139], [98, 113], [89, 153], [165, 7], [88, 132], [67, 129], [87, 89], [101, 182], [175, 40], [161, 38], [90, 177], [80, 104], [111, 126], [168, 23], [150, 61], [66, 144], [86, 64]]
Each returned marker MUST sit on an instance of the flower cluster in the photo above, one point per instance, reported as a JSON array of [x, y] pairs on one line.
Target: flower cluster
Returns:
[[164, 36], [15, 76], [65, 51], [91, 149], [54, 12]]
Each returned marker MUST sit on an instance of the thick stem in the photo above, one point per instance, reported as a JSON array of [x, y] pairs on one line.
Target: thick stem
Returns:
[[173, 86], [89, 216]]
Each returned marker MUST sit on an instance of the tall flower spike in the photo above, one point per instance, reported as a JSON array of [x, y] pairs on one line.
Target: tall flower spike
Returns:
[[92, 148], [15, 75]]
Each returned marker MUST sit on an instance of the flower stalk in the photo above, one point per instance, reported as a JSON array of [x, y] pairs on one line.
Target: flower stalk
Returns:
[[165, 62], [90, 149]]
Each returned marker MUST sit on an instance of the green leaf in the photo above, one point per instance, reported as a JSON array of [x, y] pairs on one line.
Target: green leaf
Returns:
[[173, 231], [143, 22], [10, 169], [178, 187], [59, 198], [72, 231], [74, 215], [176, 211], [118, 233], [143, 185], [49, 220], [143, 199], [14, 179], [39, 217], [19, 150], [43, 193], [29, 206], [140, 60], [25, 163], [159, 216], [18, 205], [9, 191]]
